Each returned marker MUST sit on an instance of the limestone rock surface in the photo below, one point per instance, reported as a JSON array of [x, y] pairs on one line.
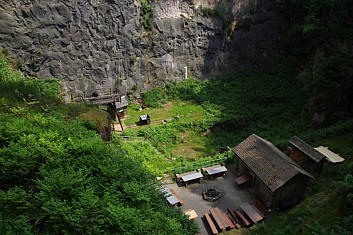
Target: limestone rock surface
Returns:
[[103, 46]]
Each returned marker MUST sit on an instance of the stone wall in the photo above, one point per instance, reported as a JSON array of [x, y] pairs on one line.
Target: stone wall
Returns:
[[102, 46]]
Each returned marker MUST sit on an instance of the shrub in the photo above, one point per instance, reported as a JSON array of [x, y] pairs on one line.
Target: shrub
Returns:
[[155, 98], [146, 14]]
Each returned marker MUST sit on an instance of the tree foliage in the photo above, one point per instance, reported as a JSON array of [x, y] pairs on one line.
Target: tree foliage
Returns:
[[321, 43]]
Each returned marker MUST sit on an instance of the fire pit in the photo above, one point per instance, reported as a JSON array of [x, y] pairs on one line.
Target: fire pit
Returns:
[[211, 195]]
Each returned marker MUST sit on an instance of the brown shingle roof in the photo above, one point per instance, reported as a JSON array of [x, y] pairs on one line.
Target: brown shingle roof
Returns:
[[306, 149], [271, 165]]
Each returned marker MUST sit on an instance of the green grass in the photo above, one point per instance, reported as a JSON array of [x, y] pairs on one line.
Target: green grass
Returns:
[[155, 162], [194, 148], [184, 109]]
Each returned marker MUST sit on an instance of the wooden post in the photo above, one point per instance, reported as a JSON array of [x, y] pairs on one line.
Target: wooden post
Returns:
[[117, 114], [121, 125]]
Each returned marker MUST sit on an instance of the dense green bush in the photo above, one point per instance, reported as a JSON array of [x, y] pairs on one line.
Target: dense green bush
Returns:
[[155, 98], [153, 161]]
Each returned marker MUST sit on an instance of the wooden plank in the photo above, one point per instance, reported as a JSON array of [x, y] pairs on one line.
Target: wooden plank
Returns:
[[258, 211], [212, 170], [218, 220], [177, 196], [242, 179], [191, 214], [235, 220], [243, 218], [211, 224], [231, 225], [221, 216], [250, 212], [191, 176], [232, 215]]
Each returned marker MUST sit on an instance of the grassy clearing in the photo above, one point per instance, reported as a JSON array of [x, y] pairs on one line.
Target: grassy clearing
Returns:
[[184, 109], [192, 150]]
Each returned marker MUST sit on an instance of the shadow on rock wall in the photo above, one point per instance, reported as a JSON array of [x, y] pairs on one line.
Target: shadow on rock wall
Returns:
[[248, 37]]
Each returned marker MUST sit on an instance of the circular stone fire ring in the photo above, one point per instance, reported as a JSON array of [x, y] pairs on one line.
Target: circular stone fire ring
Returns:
[[211, 195]]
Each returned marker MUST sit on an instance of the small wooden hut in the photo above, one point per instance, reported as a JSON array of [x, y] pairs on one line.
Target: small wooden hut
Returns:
[[306, 156], [121, 106], [277, 180]]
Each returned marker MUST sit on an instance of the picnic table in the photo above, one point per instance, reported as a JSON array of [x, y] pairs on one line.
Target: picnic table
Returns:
[[251, 212], [242, 179], [245, 221], [221, 219], [211, 224], [172, 200], [189, 176], [214, 170], [172, 197], [232, 215]]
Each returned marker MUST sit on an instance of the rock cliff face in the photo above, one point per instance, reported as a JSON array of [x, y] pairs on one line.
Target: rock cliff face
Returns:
[[104, 45]]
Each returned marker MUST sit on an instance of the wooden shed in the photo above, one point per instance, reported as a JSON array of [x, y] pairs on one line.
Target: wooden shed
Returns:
[[306, 156], [121, 106], [276, 179], [117, 106]]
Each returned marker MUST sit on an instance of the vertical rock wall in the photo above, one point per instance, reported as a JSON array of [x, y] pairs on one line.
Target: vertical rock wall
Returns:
[[102, 46]]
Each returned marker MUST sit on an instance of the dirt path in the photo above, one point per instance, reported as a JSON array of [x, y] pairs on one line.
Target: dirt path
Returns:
[[117, 128]]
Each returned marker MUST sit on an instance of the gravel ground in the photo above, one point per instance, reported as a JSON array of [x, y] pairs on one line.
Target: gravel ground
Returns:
[[231, 196]]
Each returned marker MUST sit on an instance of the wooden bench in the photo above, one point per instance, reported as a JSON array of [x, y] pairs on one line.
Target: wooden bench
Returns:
[[224, 219], [235, 220], [211, 224], [218, 219], [177, 196], [257, 210], [243, 218], [229, 222], [242, 179]]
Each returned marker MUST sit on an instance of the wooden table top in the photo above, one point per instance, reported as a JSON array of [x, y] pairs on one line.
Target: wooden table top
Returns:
[[251, 212], [242, 179]]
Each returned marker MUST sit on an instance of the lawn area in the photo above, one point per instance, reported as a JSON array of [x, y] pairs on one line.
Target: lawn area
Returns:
[[193, 150], [182, 139], [169, 110]]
